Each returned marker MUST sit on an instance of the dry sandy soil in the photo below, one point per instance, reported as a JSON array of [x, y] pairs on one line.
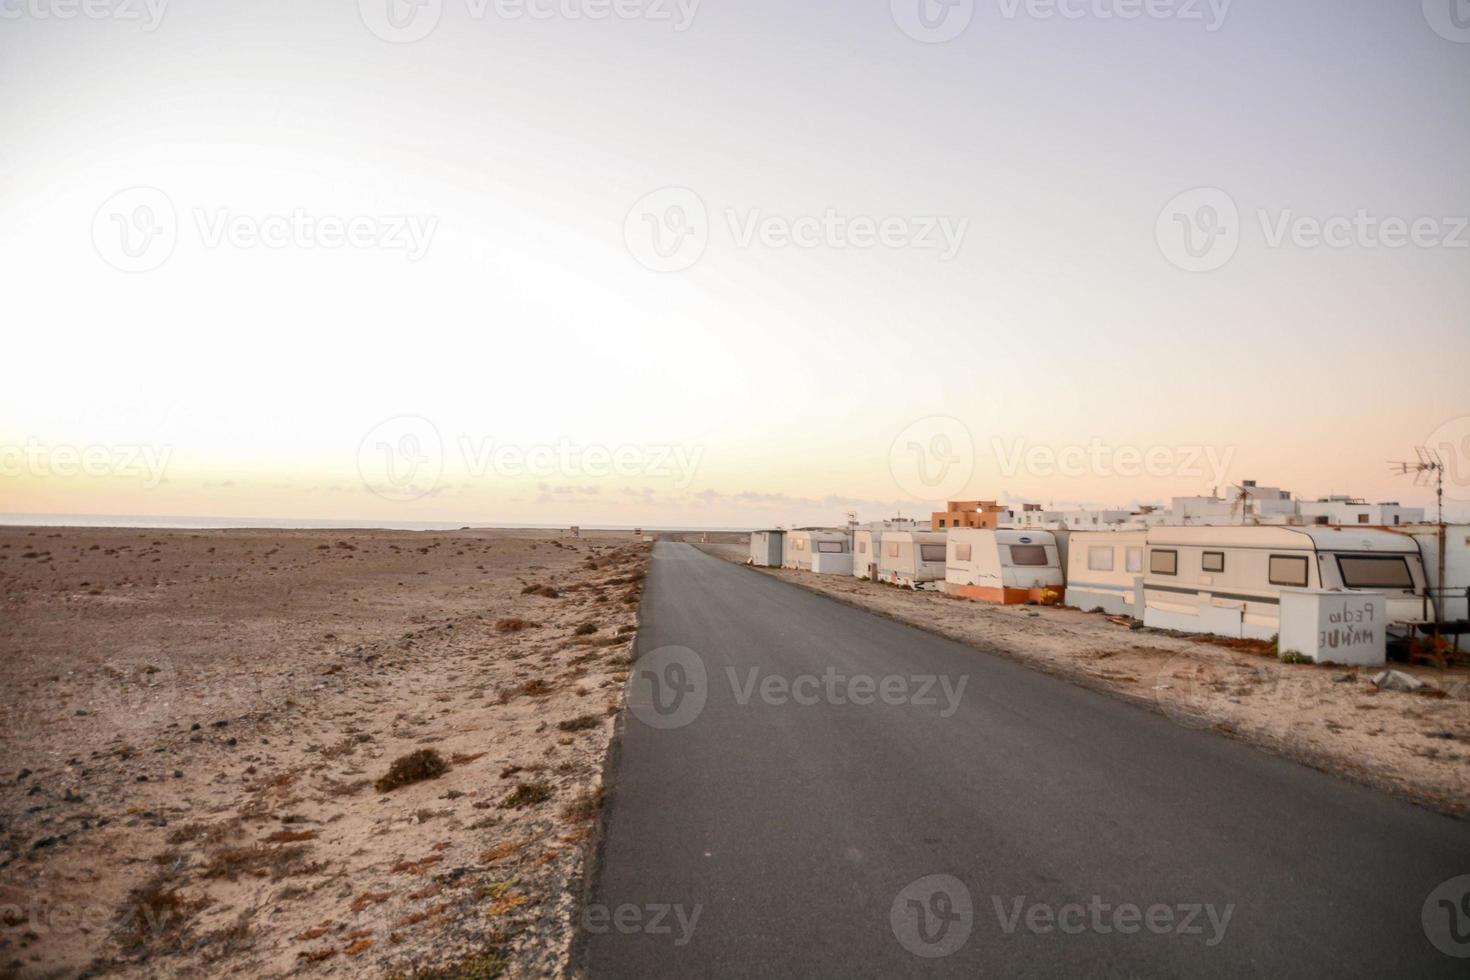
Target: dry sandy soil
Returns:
[[1333, 718], [194, 723]]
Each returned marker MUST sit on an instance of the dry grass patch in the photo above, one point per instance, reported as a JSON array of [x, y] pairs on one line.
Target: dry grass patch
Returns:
[[585, 807], [370, 898], [526, 794], [412, 768], [260, 862], [512, 624]]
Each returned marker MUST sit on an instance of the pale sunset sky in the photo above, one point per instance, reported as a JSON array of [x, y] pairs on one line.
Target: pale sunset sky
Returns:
[[726, 263]]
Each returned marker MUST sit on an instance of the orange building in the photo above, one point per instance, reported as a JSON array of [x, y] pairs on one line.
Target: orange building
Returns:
[[966, 513]]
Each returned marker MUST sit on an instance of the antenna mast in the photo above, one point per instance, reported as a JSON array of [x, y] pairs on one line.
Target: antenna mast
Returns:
[[1430, 467]]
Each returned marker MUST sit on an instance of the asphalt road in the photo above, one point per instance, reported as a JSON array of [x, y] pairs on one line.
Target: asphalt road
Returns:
[[761, 830]]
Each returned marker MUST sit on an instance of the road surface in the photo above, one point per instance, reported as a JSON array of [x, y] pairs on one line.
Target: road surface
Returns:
[[830, 799]]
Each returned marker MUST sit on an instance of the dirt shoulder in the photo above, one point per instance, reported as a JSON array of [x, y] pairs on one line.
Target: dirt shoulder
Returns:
[[195, 724], [1331, 718]]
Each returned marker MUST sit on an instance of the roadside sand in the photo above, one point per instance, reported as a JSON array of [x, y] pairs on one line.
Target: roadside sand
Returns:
[[193, 722], [1331, 718]]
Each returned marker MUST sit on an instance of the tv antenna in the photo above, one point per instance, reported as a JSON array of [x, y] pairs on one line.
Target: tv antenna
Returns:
[[1427, 469]]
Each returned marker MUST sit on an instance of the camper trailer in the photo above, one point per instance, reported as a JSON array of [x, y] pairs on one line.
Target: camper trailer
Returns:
[[914, 559], [1452, 596], [800, 546], [765, 548], [1005, 566], [1103, 568], [1228, 580], [866, 544]]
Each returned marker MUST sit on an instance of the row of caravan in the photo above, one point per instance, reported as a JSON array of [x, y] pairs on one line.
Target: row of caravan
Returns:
[[1212, 579], [1009, 566]]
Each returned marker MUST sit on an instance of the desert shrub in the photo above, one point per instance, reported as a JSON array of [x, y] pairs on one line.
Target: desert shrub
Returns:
[[586, 629], [580, 724], [526, 794], [412, 768], [273, 862], [585, 807]]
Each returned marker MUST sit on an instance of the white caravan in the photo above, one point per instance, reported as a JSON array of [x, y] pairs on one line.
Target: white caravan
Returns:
[[911, 558], [1453, 594], [1102, 570], [866, 544], [1003, 565], [1228, 580], [800, 546]]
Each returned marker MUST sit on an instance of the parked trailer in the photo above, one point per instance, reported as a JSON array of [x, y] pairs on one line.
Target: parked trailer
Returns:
[[1228, 580], [915, 559], [866, 544], [1452, 596], [800, 546], [1104, 570], [865, 548], [1003, 565], [765, 548]]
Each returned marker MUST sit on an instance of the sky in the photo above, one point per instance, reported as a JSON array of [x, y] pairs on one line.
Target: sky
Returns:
[[720, 263]]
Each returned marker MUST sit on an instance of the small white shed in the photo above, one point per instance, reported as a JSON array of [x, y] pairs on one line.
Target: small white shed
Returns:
[[765, 548]]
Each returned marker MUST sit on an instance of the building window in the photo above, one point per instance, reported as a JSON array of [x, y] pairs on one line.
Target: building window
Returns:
[[1100, 558], [961, 552], [1135, 559], [1288, 570], [1163, 562], [1395, 518], [1213, 561], [1362, 518], [1028, 554], [941, 522]]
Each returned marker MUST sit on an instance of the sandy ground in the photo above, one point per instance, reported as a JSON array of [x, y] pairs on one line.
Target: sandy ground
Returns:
[[1413, 745], [193, 724]]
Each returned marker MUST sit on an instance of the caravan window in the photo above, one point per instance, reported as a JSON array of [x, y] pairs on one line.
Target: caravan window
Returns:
[[1288, 570], [1100, 558], [961, 552], [1028, 554], [893, 549], [931, 552], [1213, 561], [800, 544], [1163, 562], [830, 547], [1135, 559], [862, 547], [1375, 572]]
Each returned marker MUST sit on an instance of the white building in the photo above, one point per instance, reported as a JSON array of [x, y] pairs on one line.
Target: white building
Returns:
[[1246, 503], [1084, 519], [1349, 510]]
